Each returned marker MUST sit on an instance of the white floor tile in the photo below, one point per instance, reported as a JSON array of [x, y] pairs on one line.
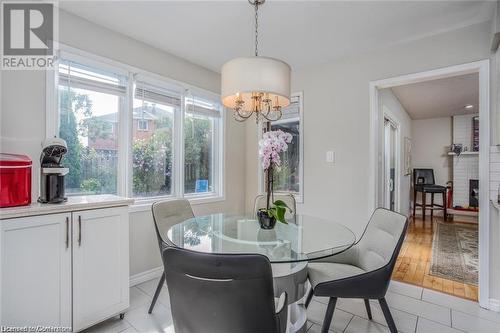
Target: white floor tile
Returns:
[[433, 312], [323, 300], [358, 324], [405, 322], [315, 328], [419, 308], [460, 304], [427, 326], [159, 321], [473, 324], [130, 330], [138, 298], [112, 325], [406, 289], [316, 313], [149, 287]]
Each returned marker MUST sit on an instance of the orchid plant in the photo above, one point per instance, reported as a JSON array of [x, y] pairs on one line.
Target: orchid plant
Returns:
[[272, 144]]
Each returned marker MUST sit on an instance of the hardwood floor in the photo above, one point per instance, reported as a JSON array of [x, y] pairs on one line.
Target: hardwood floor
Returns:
[[414, 261]]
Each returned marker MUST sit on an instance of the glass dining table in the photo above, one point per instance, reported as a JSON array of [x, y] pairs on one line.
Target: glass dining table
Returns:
[[288, 247]]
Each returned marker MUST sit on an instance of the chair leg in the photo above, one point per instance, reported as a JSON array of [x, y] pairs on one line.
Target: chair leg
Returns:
[[368, 309], [444, 206], [157, 292], [432, 205], [423, 205], [329, 315], [387, 315], [309, 297], [414, 203]]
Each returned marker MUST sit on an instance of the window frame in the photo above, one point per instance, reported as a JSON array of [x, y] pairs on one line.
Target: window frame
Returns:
[[125, 126], [299, 196]]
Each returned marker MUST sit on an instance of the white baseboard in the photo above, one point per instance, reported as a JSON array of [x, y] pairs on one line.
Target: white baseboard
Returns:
[[146, 276], [495, 305]]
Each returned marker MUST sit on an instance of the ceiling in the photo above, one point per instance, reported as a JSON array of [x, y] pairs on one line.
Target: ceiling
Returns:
[[302, 33], [440, 98]]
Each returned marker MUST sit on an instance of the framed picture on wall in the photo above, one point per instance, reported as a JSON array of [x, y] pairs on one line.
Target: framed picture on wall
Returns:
[[475, 134], [407, 152]]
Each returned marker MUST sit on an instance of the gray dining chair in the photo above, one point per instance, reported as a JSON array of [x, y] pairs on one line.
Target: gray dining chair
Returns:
[[167, 213], [289, 199], [222, 293], [364, 270]]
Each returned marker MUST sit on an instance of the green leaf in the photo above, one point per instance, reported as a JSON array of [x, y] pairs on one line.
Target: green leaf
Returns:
[[280, 214], [282, 204]]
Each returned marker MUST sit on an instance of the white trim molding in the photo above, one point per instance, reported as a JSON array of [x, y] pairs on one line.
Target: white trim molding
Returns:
[[146, 276], [483, 69], [495, 304]]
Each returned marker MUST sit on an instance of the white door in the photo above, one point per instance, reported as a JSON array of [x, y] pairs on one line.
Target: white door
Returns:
[[100, 265], [36, 271], [391, 171]]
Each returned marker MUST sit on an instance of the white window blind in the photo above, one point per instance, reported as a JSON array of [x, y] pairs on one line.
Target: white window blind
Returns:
[[75, 75], [149, 93], [202, 107]]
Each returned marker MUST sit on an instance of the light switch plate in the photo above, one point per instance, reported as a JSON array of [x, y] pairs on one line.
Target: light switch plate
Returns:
[[330, 156]]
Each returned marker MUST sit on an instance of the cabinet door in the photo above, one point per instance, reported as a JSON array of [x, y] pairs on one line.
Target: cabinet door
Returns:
[[35, 267], [100, 265]]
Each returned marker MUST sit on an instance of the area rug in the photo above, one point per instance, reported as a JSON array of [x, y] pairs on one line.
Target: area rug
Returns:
[[455, 252]]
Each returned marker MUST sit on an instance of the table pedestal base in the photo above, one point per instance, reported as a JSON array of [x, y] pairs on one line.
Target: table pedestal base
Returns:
[[291, 278]]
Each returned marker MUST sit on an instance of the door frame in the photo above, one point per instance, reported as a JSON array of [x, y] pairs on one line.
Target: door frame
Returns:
[[397, 156], [481, 67]]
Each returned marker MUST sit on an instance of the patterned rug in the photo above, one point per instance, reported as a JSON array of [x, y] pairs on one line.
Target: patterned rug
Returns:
[[455, 252]]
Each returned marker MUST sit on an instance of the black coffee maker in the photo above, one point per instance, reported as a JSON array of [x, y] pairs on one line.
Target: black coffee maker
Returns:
[[52, 172]]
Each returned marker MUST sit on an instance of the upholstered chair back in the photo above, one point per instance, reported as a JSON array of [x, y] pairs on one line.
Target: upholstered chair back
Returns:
[[168, 213], [223, 293], [380, 239]]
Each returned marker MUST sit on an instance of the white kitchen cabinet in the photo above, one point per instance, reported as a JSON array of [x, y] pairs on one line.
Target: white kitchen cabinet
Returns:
[[36, 271], [100, 265], [66, 268]]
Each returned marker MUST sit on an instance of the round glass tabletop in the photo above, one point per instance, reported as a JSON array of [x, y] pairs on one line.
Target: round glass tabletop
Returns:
[[304, 239]]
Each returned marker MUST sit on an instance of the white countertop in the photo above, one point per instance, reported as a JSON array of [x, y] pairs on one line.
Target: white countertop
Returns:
[[73, 204]]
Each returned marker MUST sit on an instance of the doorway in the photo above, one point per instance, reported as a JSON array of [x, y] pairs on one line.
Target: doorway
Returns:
[[378, 158], [391, 170]]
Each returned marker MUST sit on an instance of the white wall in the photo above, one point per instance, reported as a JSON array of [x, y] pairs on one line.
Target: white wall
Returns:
[[336, 117], [430, 145], [22, 127], [390, 105]]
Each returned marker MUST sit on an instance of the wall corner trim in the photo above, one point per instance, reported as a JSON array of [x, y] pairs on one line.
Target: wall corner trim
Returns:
[[146, 276]]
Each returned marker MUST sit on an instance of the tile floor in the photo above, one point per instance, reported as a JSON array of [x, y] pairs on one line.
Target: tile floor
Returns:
[[415, 310]]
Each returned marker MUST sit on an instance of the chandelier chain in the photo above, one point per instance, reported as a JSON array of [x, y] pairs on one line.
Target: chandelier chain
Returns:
[[256, 28]]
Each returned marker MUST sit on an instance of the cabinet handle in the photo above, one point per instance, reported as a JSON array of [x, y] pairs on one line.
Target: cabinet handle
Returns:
[[67, 232], [79, 230]]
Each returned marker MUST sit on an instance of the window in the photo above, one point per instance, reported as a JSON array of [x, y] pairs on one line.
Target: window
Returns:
[[136, 134], [90, 102], [142, 125], [200, 127], [289, 178], [152, 147]]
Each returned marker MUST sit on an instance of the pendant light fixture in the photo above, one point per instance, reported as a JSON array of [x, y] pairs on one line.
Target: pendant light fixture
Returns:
[[256, 85]]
